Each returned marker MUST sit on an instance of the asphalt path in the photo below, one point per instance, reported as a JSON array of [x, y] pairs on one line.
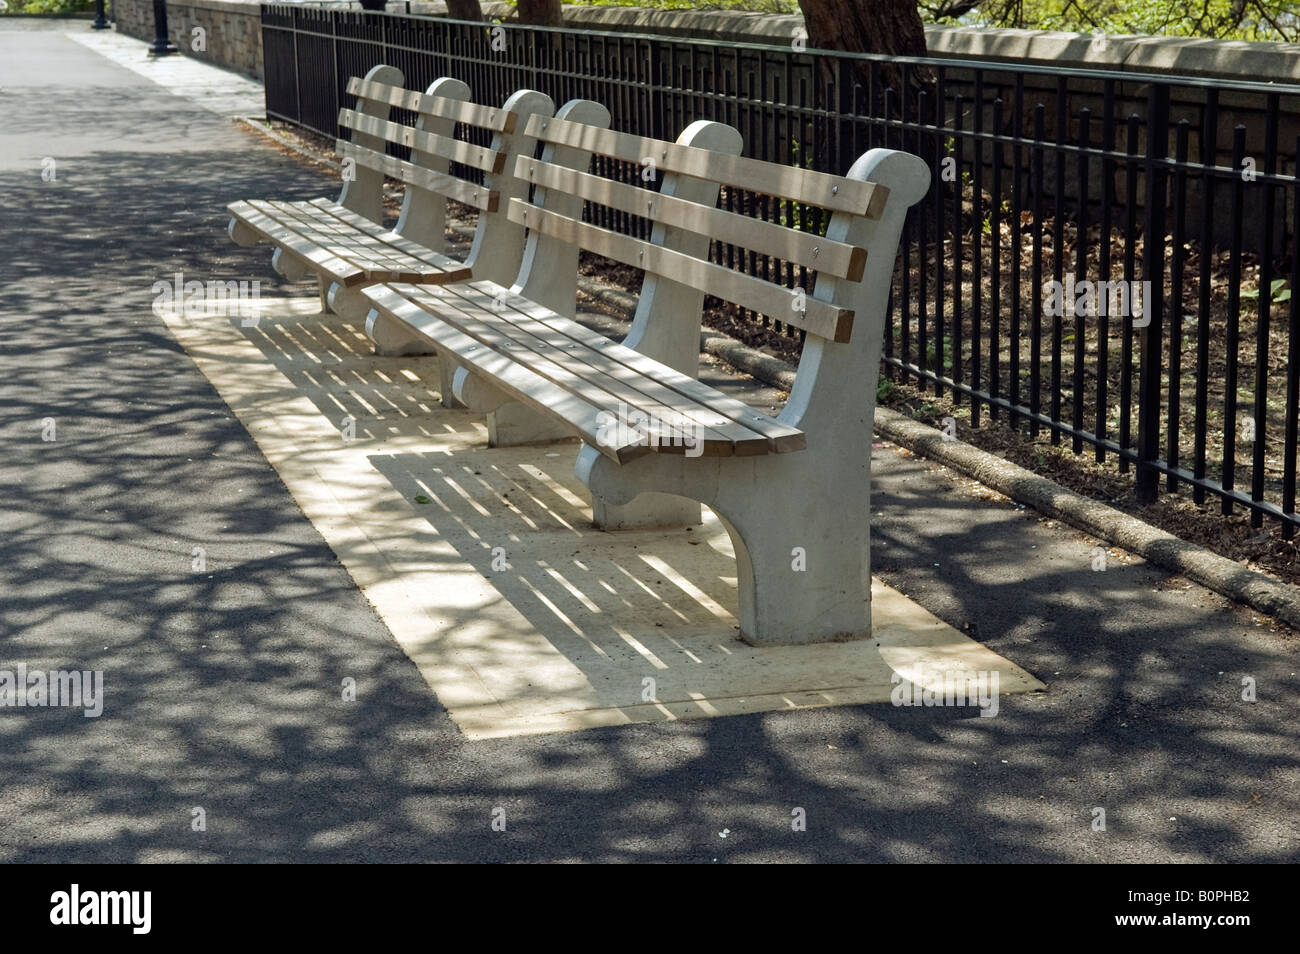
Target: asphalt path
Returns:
[[222, 686]]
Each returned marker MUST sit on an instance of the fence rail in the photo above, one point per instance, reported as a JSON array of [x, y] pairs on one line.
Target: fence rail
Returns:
[[1108, 259]]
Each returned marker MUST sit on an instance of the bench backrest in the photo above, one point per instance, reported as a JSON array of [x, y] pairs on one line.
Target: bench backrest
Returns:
[[429, 174], [843, 313]]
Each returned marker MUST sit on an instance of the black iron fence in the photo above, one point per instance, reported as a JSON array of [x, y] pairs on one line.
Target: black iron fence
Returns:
[[1108, 259]]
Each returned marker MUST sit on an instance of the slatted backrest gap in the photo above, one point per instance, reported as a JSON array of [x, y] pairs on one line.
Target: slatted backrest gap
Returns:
[[833, 193], [462, 190], [472, 114], [456, 150], [766, 239], [744, 246], [790, 306], [468, 160]]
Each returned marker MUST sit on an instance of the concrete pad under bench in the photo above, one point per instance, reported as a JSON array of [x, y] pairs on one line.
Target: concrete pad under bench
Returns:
[[522, 617]]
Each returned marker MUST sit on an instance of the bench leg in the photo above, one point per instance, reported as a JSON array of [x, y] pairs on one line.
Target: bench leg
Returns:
[[647, 511], [391, 337], [323, 287], [241, 234], [509, 422], [446, 382], [513, 424], [803, 542], [803, 576], [288, 266]]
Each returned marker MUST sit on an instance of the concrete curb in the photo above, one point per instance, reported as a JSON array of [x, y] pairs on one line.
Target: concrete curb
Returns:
[[1218, 573], [1196, 563], [262, 129]]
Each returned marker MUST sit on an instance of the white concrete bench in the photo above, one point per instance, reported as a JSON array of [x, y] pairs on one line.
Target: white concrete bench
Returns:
[[792, 491], [344, 243]]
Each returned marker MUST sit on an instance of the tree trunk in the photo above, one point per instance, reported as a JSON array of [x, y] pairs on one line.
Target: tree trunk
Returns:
[[864, 26], [539, 12], [891, 27], [888, 27], [464, 10]]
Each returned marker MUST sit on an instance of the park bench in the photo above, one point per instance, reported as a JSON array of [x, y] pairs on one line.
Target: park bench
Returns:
[[344, 243], [793, 492]]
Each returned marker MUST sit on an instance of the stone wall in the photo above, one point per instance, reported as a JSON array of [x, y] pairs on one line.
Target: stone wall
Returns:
[[232, 29]]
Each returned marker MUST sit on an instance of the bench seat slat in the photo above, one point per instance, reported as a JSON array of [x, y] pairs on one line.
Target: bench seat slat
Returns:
[[273, 229], [457, 150], [324, 229], [747, 430], [380, 260], [349, 252], [780, 438], [559, 367], [361, 223], [818, 317], [480, 197], [485, 117], [519, 382], [755, 235], [553, 340], [835, 193], [637, 388]]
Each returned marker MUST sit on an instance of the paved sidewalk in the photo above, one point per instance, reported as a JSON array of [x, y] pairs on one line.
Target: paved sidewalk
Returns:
[[224, 685], [221, 91]]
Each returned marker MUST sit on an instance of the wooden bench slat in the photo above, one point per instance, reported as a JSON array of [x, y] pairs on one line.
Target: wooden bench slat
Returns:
[[480, 197], [385, 92], [457, 150], [657, 381], [271, 228], [519, 382], [326, 230], [398, 96], [818, 317], [825, 255], [378, 258], [330, 228], [338, 250], [836, 193], [643, 391], [781, 438], [552, 340], [389, 237], [472, 114], [558, 366], [380, 262]]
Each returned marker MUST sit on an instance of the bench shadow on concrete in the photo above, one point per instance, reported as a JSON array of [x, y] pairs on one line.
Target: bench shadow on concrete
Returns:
[[619, 607]]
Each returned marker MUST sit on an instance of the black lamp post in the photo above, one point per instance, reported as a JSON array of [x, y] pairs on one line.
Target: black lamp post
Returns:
[[161, 45], [101, 21]]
